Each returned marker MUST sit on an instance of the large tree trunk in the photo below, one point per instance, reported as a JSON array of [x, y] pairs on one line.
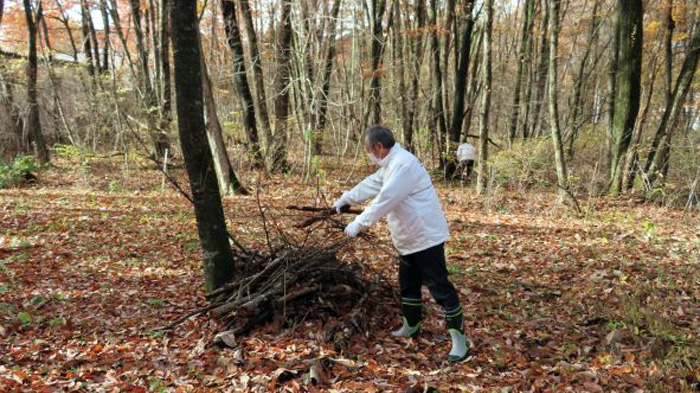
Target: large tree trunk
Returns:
[[233, 36], [523, 65], [259, 82], [33, 121], [560, 162], [482, 176], [277, 155], [211, 225], [461, 83], [655, 159], [627, 85]]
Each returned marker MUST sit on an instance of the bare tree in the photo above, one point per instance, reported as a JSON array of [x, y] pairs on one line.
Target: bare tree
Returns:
[[33, 122], [627, 85], [233, 35], [482, 176], [560, 163]]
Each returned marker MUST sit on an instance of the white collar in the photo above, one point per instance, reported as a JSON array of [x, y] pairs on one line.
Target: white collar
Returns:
[[384, 162]]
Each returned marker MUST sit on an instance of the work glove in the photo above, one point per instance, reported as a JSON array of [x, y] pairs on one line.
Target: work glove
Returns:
[[353, 229], [339, 204]]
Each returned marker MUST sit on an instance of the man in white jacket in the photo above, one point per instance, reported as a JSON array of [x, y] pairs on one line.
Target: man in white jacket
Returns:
[[404, 194]]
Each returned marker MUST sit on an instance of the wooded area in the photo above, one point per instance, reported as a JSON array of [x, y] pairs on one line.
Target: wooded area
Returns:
[[584, 115]]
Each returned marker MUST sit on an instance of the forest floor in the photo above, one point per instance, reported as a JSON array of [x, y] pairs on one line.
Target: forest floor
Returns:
[[93, 259]]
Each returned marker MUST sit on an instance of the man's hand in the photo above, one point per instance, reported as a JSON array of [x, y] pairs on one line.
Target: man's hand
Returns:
[[353, 229], [340, 204]]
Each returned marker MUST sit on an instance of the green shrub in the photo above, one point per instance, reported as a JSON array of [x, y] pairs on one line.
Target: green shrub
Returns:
[[17, 171], [525, 164]]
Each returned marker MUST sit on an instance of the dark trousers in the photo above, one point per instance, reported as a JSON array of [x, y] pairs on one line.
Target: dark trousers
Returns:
[[428, 267]]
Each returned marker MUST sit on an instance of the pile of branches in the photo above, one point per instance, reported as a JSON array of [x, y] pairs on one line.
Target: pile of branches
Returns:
[[299, 281]]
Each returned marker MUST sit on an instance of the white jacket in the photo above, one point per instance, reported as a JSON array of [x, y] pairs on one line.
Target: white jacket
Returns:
[[406, 196]]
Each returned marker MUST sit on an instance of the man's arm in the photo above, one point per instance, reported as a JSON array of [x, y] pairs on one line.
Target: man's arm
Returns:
[[365, 190], [395, 190]]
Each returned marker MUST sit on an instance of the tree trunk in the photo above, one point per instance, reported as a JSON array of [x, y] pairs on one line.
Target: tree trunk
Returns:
[[409, 119], [33, 121], [211, 225], [440, 123], [87, 46], [105, 24], [166, 91], [93, 38], [322, 116], [113, 10], [277, 155], [655, 159], [575, 110], [541, 75], [482, 176], [461, 82], [631, 160], [233, 35], [378, 7], [256, 62], [159, 139], [523, 63], [64, 20], [560, 162], [627, 85], [227, 179]]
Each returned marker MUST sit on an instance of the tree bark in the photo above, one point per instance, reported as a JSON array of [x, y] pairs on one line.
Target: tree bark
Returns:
[[409, 118], [233, 36], [482, 175], [87, 41], [440, 123], [159, 139], [105, 23], [378, 7], [523, 63], [628, 85], [541, 75], [461, 82], [322, 116], [277, 155], [93, 39], [33, 122], [655, 159], [227, 179], [575, 110], [259, 82], [560, 162], [211, 225], [166, 90], [120, 34]]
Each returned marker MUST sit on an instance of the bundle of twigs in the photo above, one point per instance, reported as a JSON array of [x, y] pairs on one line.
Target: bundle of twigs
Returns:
[[299, 280]]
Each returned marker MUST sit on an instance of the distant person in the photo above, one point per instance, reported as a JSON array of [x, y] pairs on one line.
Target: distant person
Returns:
[[466, 155], [404, 193]]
